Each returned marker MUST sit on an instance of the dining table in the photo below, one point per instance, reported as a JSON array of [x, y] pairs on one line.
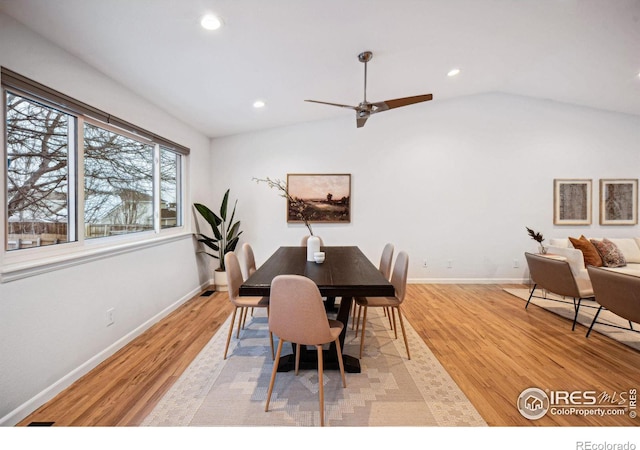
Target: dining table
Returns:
[[345, 273]]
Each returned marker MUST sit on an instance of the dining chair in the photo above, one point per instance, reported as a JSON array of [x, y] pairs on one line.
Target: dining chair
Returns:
[[249, 259], [617, 292], [385, 269], [399, 282], [234, 275], [297, 316], [555, 276], [249, 268]]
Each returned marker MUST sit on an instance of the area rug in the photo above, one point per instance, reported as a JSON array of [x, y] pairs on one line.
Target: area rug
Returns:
[[564, 307], [389, 391]]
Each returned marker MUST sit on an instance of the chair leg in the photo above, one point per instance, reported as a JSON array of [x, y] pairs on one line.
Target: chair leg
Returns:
[[391, 324], [244, 317], [530, 295], [404, 334], [242, 310], [354, 305], [394, 327], [575, 317], [233, 318], [320, 384], [364, 324], [273, 375], [297, 350], [593, 322], [340, 362]]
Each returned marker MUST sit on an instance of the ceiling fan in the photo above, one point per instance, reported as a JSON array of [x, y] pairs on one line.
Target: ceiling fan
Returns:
[[365, 109]]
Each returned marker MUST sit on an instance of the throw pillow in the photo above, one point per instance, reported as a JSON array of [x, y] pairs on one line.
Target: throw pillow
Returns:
[[589, 252], [611, 255]]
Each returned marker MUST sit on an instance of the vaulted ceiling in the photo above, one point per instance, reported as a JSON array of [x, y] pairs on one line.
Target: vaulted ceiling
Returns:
[[583, 52]]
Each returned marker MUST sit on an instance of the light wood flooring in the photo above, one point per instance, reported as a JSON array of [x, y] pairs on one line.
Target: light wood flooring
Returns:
[[491, 346]]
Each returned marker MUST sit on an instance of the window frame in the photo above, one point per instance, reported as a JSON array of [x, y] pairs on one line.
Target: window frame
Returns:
[[17, 264]]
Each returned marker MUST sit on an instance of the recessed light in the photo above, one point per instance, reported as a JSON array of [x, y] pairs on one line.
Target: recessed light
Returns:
[[211, 22], [453, 72], [259, 104]]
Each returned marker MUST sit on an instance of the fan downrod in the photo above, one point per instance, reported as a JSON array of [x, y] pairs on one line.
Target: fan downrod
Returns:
[[365, 56]]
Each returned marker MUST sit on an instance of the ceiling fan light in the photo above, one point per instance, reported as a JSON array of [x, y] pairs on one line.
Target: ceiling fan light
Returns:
[[210, 22], [259, 104], [453, 72]]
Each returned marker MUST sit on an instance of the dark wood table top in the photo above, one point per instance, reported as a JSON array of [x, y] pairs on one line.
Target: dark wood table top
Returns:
[[346, 272]]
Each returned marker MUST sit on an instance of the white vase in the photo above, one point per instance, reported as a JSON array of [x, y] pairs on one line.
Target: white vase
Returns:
[[220, 280], [313, 245]]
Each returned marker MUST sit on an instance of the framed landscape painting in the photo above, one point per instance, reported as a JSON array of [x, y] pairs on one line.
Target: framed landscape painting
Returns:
[[619, 202], [326, 197], [572, 202]]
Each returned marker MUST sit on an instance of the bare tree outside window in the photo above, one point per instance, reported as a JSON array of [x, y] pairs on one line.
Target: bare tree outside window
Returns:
[[169, 192], [118, 178], [37, 142]]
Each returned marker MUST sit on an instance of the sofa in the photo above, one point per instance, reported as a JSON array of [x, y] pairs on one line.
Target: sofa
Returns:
[[617, 254]]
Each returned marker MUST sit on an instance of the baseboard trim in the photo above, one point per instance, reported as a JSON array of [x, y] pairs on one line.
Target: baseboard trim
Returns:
[[28, 407], [468, 281]]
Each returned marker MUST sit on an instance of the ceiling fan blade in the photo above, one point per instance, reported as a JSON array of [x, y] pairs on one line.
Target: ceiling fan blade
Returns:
[[332, 104], [398, 102], [360, 121]]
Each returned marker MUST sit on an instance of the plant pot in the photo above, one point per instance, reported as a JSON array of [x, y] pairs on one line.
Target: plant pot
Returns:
[[220, 280]]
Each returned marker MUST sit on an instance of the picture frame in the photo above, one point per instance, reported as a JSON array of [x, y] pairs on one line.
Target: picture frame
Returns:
[[619, 201], [326, 197], [572, 201]]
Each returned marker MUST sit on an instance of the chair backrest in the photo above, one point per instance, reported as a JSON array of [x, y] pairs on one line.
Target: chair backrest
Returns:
[[249, 259], [399, 275], [618, 292], [234, 275], [296, 312], [303, 242], [552, 274], [385, 260]]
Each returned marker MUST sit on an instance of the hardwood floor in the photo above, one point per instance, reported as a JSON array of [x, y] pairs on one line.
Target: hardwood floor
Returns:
[[490, 345]]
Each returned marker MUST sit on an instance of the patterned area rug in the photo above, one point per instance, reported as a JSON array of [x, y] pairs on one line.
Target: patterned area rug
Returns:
[[558, 305], [390, 390]]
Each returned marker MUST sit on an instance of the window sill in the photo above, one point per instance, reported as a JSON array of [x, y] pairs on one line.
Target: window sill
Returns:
[[24, 269]]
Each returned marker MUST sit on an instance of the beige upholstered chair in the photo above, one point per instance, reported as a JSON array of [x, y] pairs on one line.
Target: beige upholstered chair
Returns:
[[399, 282], [385, 269], [617, 292], [297, 316], [249, 259], [555, 276], [234, 279], [249, 268]]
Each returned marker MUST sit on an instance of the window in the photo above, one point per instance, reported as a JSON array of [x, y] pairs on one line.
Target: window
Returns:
[[40, 153], [75, 173]]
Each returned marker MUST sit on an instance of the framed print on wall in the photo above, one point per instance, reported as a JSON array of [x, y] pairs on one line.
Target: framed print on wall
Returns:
[[619, 202], [572, 202], [326, 197]]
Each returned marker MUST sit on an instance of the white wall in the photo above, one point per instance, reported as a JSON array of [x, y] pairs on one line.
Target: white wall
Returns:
[[52, 326], [451, 180]]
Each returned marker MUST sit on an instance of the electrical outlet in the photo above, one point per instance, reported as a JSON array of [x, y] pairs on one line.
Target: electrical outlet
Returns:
[[110, 316], [424, 263], [516, 264]]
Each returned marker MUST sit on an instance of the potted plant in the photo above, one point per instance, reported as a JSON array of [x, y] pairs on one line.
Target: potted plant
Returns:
[[226, 234]]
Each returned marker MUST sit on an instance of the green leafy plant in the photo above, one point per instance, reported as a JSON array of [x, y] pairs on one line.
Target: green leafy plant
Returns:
[[226, 233]]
